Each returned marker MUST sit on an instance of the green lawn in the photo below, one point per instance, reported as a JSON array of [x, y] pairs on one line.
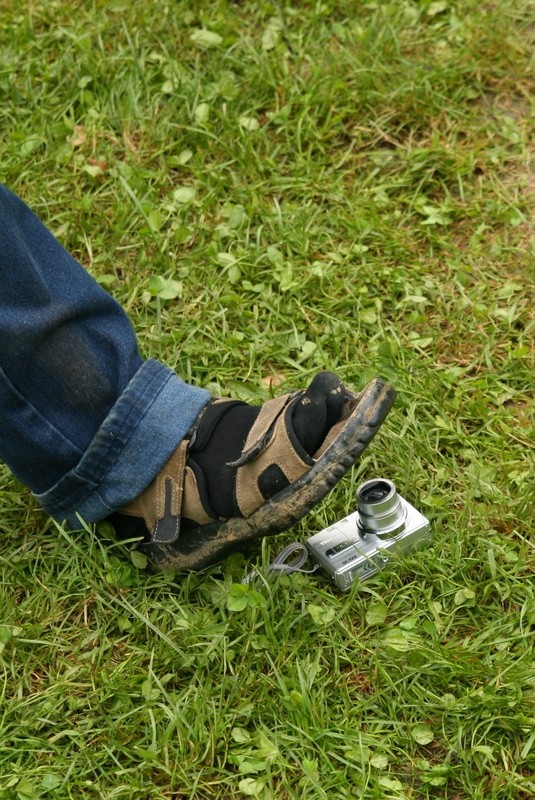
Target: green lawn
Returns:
[[271, 190]]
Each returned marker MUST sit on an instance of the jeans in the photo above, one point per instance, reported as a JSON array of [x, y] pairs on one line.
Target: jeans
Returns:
[[85, 422]]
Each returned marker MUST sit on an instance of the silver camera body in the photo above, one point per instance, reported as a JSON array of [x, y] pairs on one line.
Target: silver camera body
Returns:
[[383, 527]]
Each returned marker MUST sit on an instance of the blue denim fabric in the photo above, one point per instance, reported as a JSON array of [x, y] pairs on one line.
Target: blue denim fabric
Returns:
[[85, 422]]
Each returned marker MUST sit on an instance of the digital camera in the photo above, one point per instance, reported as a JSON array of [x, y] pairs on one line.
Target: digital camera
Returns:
[[383, 527]]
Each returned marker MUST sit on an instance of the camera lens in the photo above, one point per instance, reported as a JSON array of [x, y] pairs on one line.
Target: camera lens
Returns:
[[380, 510], [375, 491]]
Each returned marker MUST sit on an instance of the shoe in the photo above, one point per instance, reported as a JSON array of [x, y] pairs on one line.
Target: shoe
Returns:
[[246, 472]]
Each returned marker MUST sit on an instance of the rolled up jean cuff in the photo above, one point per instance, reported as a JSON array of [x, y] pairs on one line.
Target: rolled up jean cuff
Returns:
[[140, 433]]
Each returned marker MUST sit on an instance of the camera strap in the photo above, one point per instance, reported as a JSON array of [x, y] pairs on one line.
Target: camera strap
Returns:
[[282, 566]]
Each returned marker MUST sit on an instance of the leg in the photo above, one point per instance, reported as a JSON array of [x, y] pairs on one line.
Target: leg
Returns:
[[80, 411], [92, 429]]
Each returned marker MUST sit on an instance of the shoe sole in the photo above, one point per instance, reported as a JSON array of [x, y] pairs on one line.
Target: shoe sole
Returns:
[[201, 547]]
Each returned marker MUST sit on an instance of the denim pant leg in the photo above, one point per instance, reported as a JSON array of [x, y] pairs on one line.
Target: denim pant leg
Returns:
[[85, 422]]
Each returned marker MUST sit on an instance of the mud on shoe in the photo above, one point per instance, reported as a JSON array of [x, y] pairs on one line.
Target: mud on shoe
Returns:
[[246, 472]]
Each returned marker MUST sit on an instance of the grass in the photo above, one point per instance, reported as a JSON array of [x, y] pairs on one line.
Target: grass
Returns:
[[343, 186]]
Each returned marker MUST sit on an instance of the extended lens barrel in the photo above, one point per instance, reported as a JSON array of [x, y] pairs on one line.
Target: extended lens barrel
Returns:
[[380, 508]]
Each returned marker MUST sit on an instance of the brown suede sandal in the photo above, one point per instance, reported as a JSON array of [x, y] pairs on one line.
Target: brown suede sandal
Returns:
[[176, 513]]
